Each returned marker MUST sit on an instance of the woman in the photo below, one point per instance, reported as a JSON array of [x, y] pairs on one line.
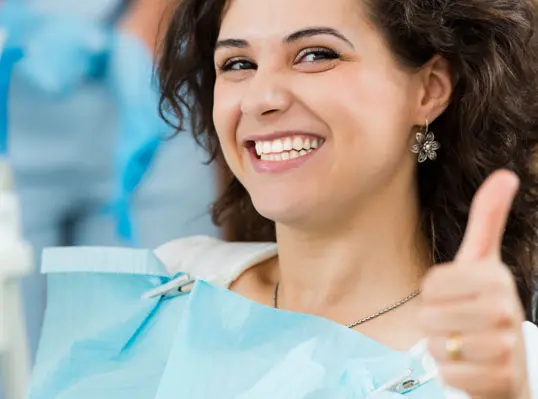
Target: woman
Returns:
[[357, 134]]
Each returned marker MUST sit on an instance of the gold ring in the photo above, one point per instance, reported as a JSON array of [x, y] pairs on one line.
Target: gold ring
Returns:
[[453, 346]]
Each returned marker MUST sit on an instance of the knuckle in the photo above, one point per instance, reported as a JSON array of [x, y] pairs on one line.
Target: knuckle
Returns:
[[506, 345], [503, 315]]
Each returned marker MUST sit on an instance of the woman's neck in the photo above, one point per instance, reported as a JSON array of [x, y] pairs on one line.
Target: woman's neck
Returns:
[[371, 259]]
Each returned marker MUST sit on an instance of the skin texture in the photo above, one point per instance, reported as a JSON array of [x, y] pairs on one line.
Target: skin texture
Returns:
[[347, 219]]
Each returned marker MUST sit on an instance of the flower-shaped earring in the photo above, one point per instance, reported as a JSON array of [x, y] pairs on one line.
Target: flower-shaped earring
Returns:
[[426, 145]]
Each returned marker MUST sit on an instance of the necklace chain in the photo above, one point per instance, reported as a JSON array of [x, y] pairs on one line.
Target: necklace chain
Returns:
[[381, 312]]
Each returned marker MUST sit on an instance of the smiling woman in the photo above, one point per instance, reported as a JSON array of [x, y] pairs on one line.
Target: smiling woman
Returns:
[[359, 66], [355, 134], [321, 109]]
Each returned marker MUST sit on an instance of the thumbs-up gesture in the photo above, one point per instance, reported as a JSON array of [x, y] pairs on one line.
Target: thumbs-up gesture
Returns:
[[471, 311]]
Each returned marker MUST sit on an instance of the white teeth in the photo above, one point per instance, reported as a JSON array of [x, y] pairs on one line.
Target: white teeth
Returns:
[[297, 143], [286, 148], [267, 147], [277, 146], [288, 145]]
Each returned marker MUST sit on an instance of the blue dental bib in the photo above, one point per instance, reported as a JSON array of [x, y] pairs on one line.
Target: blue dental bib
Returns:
[[102, 339]]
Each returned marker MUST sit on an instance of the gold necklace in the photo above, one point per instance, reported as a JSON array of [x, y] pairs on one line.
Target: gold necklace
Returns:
[[386, 309]]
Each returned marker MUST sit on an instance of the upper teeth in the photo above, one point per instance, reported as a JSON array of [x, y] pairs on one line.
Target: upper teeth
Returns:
[[278, 146]]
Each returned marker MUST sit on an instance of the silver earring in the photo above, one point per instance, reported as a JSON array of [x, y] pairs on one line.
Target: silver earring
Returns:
[[426, 146]]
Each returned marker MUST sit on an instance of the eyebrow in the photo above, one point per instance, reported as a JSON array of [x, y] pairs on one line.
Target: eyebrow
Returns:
[[295, 36], [316, 31]]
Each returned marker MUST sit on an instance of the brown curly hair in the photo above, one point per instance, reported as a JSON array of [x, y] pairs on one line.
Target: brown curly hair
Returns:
[[491, 122]]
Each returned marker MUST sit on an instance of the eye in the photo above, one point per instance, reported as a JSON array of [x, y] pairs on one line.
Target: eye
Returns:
[[237, 64], [316, 54]]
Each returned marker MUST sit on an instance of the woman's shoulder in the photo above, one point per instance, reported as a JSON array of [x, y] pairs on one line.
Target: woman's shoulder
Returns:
[[202, 257], [212, 259]]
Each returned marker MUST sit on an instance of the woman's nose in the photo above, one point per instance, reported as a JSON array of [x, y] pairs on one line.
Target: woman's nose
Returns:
[[267, 94]]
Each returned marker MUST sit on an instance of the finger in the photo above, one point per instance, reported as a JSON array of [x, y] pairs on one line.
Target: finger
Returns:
[[487, 218], [484, 347], [482, 314], [481, 380], [445, 283]]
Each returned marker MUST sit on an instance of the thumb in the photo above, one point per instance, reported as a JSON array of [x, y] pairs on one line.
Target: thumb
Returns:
[[487, 218]]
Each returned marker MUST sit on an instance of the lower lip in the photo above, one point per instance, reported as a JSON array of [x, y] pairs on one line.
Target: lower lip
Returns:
[[262, 166]]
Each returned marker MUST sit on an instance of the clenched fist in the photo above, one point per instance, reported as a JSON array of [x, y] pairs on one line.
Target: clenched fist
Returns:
[[471, 311]]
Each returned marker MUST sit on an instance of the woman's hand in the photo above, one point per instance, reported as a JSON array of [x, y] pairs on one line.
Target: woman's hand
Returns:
[[471, 310]]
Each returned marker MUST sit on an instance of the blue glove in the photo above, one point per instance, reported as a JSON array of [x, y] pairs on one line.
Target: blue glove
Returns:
[[61, 51], [8, 58], [130, 79]]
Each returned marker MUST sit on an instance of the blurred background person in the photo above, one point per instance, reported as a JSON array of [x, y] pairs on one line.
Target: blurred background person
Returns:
[[85, 134]]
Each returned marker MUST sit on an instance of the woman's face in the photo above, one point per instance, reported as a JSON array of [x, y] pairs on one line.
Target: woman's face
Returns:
[[313, 112]]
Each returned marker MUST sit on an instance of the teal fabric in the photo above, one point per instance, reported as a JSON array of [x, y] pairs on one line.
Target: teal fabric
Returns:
[[95, 10], [102, 340], [99, 339], [8, 57], [63, 51], [142, 129]]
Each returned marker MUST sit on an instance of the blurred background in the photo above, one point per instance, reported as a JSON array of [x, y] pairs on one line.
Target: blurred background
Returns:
[[82, 147]]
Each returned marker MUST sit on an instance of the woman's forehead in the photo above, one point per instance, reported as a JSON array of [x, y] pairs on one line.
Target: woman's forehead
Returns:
[[261, 18]]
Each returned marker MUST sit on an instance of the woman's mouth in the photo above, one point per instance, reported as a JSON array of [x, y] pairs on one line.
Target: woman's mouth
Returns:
[[283, 154], [286, 148]]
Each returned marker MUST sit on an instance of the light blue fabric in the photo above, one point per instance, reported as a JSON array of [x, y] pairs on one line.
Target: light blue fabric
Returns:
[[63, 51], [101, 340], [142, 129], [96, 10], [8, 57]]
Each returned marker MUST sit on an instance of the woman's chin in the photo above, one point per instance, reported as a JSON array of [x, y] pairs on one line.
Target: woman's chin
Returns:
[[282, 212], [297, 215]]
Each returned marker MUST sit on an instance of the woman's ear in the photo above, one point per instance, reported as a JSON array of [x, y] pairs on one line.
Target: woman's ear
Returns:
[[437, 87]]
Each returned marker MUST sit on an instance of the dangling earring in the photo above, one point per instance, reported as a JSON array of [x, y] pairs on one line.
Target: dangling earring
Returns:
[[426, 145]]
